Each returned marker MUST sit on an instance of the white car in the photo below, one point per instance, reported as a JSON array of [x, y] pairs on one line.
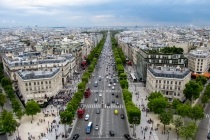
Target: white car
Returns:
[[109, 85], [112, 87], [96, 127], [87, 116], [100, 94], [114, 84]]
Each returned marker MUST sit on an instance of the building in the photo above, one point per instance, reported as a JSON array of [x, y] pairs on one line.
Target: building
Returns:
[[39, 85], [36, 61], [198, 61], [146, 57], [170, 81]]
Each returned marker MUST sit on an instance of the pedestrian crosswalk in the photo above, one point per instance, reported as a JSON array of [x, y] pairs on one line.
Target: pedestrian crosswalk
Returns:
[[104, 106], [110, 91]]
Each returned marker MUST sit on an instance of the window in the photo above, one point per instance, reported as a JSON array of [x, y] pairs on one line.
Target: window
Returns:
[[49, 82], [26, 89], [41, 82], [174, 94], [156, 81], [179, 83], [175, 82], [167, 82], [45, 82], [29, 84], [34, 83], [171, 82], [26, 84], [159, 81], [37, 83]]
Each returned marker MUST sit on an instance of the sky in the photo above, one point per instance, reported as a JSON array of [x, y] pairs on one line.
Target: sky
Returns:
[[89, 13]]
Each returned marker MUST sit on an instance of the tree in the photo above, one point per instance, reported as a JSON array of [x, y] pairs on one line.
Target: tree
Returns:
[[154, 95], [123, 76], [188, 131], [32, 108], [19, 114], [8, 122], [5, 81], [201, 79], [197, 112], [177, 122], [66, 118], [183, 110], [158, 105], [165, 118], [192, 90], [15, 105], [124, 84], [175, 103], [2, 100]]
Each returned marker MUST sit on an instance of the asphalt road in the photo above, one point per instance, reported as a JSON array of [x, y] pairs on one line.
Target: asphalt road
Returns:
[[204, 125], [106, 120]]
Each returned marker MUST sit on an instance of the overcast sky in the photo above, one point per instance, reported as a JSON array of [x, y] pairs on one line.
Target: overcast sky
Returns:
[[82, 13]]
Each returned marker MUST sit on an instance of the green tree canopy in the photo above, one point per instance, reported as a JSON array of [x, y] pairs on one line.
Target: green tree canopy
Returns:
[[192, 90], [32, 108], [189, 130], [2, 100], [201, 79], [165, 118], [183, 110], [158, 105], [175, 103], [8, 123], [154, 95], [177, 122], [5, 81], [15, 105], [197, 112]]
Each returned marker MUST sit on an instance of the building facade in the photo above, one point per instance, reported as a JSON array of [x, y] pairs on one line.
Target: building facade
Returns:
[[39, 85], [146, 58], [198, 61], [170, 81]]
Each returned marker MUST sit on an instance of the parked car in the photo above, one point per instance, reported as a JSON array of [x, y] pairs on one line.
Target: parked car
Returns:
[[127, 136], [111, 132], [97, 111], [208, 135], [75, 137]]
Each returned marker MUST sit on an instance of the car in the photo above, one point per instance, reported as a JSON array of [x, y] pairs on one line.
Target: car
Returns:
[[114, 84], [100, 94], [108, 103], [96, 127], [208, 135], [127, 136], [109, 85], [111, 132], [116, 112], [87, 116], [112, 93], [97, 111], [112, 87], [99, 78], [75, 137], [117, 103], [116, 95], [122, 116], [96, 100], [113, 101]]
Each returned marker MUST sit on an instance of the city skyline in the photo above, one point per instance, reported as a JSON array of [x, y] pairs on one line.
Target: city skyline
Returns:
[[80, 13]]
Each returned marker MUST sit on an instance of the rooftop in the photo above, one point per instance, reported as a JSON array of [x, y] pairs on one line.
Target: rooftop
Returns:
[[169, 72], [199, 53], [27, 75]]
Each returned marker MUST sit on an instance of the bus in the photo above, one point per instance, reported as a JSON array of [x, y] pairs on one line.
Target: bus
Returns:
[[133, 77], [89, 127]]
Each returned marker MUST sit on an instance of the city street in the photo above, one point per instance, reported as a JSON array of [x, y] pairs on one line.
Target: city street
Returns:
[[106, 119]]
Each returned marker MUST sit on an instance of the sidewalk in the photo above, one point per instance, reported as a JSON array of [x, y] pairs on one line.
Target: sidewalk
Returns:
[[140, 99]]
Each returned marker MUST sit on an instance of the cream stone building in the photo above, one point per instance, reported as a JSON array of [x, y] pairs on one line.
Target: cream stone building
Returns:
[[198, 61], [170, 81], [39, 85]]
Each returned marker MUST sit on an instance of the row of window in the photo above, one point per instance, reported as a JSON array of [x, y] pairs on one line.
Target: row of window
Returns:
[[168, 87], [168, 82], [37, 83], [37, 88]]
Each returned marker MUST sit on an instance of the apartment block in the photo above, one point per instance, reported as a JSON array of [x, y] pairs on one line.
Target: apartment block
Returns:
[[39, 85], [198, 61], [170, 81]]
